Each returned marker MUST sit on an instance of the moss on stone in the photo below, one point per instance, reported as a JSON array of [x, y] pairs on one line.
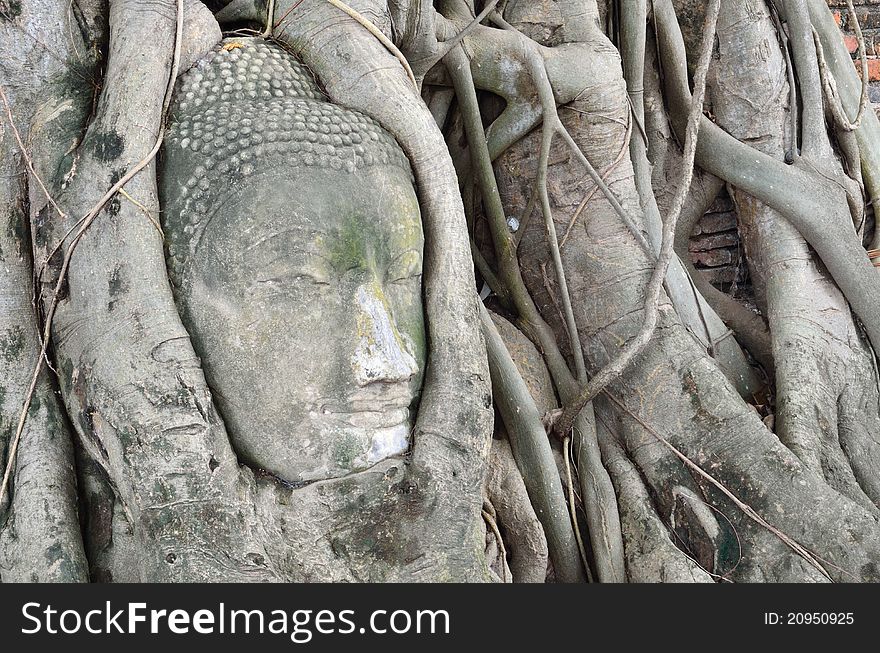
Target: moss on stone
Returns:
[[10, 10], [12, 343], [106, 146]]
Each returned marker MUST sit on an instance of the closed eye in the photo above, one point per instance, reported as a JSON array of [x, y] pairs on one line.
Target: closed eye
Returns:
[[406, 267], [292, 278]]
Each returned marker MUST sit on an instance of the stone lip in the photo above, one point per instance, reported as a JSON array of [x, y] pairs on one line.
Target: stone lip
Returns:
[[372, 418]]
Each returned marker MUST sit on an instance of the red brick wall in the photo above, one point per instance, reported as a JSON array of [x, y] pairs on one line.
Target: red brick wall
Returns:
[[868, 12], [715, 247]]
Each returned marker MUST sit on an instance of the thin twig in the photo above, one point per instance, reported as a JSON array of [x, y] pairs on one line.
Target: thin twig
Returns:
[[605, 176], [525, 218], [552, 295], [493, 526], [572, 507], [86, 223], [270, 14], [287, 13], [145, 211]]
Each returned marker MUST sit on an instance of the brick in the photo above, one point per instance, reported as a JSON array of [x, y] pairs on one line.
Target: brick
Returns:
[[871, 38], [720, 277], [873, 69], [868, 18], [712, 223], [712, 259], [709, 242]]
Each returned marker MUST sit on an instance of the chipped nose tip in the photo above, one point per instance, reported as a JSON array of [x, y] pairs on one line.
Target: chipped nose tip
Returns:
[[381, 354]]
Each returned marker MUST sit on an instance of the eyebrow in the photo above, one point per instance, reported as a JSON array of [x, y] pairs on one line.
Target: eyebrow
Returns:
[[298, 245]]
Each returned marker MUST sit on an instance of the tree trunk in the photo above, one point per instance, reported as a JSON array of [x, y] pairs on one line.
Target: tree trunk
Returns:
[[550, 154]]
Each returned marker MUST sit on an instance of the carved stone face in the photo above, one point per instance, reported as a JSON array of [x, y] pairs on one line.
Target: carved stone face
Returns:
[[305, 297], [295, 246]]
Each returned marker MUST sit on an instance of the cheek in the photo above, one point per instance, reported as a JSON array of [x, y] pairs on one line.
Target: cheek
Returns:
[[251, 339], [281, 336], [305, 341], [406, 303]]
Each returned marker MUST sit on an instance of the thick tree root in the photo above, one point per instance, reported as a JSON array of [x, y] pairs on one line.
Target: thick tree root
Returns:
[[526, 544]]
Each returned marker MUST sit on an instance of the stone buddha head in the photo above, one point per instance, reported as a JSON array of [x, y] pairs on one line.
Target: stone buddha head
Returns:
[[295, 249]]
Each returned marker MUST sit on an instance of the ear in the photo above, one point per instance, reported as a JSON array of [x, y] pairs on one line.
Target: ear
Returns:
[[201, 32]]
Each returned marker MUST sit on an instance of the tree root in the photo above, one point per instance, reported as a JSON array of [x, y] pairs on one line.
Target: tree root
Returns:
[[632, 349], [86, 222], [599, 501], [532, 451], [526, 544]]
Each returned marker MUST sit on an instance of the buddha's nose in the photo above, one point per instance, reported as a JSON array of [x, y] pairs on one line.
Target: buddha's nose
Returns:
[[380, 354]]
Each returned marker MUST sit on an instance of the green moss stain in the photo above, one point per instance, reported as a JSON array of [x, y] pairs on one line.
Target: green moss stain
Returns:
[[41, 231], [379, 525], [358, 241], [55, 425], [85, 420], [73, 102], [349, 247], [126, 437], [35, 405], [9, 10], [65, 365], [162, 492], [15, 230], [117, 285], [418, 339], [106, 146], [12, 343], [54, 554], [345, 452], [163, 519], [729, 550]]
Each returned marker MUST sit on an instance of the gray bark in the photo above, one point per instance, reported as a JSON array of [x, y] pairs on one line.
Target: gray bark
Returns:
[[125, 470], [39, 528], [672, 386]]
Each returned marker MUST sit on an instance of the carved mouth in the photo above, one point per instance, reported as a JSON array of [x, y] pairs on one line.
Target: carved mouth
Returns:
[[374, 418], [378, 406], [388, 428]]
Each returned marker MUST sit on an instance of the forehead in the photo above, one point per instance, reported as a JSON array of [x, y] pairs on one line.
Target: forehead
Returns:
[[329, 212]]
